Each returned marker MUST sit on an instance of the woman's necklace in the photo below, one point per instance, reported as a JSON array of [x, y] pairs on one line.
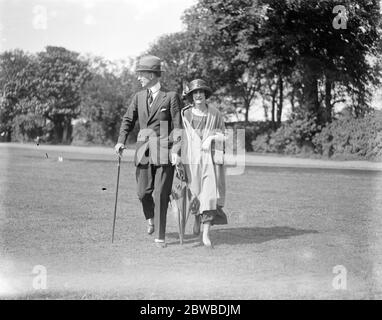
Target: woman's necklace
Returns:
[[199, 112]]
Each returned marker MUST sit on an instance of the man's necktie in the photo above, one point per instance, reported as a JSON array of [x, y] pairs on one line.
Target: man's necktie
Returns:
[[149, 98]]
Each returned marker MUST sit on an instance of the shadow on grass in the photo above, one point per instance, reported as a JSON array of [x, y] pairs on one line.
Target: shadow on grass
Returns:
[[245, 235], [235, 236], [188, 238]]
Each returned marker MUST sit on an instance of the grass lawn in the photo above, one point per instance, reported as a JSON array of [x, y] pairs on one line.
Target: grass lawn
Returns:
[[288, 228]]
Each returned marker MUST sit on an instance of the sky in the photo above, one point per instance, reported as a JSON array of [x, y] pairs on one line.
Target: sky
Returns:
[[114, 29]]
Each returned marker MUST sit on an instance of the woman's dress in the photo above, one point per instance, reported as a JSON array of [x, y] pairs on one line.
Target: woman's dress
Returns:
[[205, 172]]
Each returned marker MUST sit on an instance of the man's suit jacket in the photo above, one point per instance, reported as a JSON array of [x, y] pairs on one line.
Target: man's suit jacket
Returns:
[[160, 126]]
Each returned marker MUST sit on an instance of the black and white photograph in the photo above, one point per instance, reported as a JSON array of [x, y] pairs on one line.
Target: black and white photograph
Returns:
[[207, 152]]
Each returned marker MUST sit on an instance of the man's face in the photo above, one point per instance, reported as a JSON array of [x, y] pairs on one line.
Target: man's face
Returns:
[[145, 78]]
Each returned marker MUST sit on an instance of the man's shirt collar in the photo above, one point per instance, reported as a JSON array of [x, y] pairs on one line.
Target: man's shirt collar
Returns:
[[155, 88]]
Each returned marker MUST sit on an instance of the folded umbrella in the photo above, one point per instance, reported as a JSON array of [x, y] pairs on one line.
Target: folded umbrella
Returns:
[[178, 199]]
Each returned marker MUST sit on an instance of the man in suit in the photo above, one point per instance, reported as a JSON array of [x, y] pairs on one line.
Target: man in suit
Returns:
[[158, 143]]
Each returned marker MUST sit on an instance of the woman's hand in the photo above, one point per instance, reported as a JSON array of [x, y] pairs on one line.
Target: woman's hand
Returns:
[[207, 143], [175, 159]]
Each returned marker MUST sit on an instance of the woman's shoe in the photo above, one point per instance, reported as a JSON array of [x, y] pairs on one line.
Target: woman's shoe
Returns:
[[208, 244], [206, 238]]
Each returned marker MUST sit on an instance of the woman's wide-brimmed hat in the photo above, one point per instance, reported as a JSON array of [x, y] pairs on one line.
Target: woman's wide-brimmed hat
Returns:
[[198, 84], [149, 63]]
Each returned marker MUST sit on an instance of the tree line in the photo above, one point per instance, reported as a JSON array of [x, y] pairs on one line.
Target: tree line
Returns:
[[276, 51], [273, 52], [41, 94]]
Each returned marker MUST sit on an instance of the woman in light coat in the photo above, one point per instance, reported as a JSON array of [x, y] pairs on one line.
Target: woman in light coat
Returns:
[[202, 156]]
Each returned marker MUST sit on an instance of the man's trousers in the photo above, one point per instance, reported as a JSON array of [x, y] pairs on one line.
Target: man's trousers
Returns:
[[154, 189]]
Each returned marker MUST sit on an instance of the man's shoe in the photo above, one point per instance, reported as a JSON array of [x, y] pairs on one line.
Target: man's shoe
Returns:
[[150, 228], [160, 244]]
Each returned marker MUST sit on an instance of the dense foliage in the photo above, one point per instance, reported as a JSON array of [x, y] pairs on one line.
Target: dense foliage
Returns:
[[346, 137]]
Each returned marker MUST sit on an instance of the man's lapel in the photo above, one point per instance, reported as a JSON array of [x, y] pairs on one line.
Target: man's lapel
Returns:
[[159, 99], [143, 105]]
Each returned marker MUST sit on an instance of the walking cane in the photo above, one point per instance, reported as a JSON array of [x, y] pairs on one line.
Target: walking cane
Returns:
[[116, 197]]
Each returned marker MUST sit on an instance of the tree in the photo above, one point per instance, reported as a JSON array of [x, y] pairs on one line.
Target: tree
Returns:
[[222, 32], [60, 79], [17, 83], [323, 55], [180, 59], [105, 97], [293, 41]]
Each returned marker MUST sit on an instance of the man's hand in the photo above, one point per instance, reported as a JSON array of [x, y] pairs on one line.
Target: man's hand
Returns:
[[175, 159], [119, 148]]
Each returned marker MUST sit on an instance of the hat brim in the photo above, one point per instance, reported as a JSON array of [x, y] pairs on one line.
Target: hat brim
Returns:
[[207, 90], [147, 70]]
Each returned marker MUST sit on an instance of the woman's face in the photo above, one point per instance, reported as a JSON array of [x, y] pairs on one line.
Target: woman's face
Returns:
[[199, 96]]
